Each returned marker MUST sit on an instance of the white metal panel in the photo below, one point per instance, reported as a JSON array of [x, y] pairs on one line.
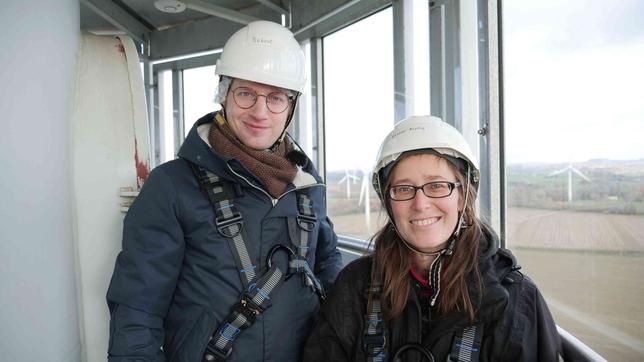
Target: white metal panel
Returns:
[[109, 146]]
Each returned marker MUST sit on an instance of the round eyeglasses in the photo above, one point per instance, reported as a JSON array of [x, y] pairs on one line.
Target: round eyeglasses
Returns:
[[434, 190], [276, 102]]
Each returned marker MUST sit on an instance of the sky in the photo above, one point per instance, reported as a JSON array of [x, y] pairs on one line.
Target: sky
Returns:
[[358, 89], [573, 84], [573, 73], [574, 80]]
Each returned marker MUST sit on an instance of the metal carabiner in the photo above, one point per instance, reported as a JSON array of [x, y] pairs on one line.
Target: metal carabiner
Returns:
[[426, 353], [269, 257]]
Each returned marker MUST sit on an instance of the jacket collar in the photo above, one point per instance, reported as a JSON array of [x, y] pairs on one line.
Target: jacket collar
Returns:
[[493, 266]]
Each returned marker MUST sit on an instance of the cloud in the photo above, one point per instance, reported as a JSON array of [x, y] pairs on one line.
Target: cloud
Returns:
[[574, 24], [564, 104]]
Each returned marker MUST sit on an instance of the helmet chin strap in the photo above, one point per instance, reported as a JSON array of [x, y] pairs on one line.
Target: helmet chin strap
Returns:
[[411, 247], [461, 217], [278, 142], [447, 250]]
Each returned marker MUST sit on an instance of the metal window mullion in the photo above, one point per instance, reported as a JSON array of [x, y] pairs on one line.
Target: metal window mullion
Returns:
[[408, 80], [152, 86], [317, 105], [491, 198], [297, 128], [400, 66], [177, 108], [189, 62], [437, 61], [495, 152], [469, 72], [303, 126], [451, 59], [485, 185]]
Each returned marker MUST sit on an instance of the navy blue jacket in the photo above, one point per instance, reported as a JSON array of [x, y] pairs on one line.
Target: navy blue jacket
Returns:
[[175, 279]]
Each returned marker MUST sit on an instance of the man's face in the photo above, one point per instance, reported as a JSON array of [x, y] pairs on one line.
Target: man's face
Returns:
[[256, 127]]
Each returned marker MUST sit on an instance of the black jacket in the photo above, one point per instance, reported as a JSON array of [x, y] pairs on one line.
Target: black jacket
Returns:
[[176, 278], [517, 325]]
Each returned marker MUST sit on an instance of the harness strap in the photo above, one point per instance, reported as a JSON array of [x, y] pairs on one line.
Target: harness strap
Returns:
[[467, 346], [300, 229], [228, 221], [258, 289], [374, 340], [254, 301]]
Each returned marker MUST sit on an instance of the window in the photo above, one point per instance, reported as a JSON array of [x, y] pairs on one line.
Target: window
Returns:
[[166, 116], [574, 83], [358, 101], [199, 87]]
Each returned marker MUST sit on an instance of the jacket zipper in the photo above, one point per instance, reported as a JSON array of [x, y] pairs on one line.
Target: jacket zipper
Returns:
[[273, 200]]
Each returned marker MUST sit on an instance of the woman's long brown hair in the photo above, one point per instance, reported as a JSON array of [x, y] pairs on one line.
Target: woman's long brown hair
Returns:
[[393, 260]]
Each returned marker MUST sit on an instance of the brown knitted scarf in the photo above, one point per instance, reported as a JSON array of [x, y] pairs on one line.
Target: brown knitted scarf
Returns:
[[272, 168]]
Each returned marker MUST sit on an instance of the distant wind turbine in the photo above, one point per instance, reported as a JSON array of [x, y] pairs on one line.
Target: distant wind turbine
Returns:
[[349, 179], [364, 195], [570, 169]]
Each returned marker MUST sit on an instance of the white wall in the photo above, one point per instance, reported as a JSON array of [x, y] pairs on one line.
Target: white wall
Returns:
[[38, 304]]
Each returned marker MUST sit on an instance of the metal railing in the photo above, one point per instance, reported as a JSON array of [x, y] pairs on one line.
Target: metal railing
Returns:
[[573, 349]]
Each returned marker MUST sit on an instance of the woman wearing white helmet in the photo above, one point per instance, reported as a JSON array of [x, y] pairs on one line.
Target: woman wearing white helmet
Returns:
[[211, 241], [437, 286]]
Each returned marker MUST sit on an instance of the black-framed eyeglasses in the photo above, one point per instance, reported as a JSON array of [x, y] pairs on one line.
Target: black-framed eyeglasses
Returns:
[[277, 102], [434, 189]]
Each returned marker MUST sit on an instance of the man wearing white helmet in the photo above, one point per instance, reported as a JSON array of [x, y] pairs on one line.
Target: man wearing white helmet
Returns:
[[437, 286], [228, 250]]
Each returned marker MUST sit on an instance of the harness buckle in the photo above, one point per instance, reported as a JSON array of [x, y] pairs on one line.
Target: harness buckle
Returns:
[[248, 309], [313, 282], [319, 289], [373, 344], [213, 354], [306, 222], [225, 190], [224, 224]]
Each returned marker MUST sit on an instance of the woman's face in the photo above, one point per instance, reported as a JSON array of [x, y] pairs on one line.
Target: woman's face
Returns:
[[426, 223]]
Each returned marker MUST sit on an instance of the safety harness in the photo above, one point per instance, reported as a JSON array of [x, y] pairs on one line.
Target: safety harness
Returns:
[[257, 288], [466, 346]]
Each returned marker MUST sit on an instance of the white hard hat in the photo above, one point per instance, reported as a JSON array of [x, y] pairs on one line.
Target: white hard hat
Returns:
[[419, 133], [264, 52]]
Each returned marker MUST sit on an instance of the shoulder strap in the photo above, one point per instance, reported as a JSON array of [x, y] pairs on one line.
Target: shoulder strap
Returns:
[[466, 346], [374, 338], [228, 221], [300, 229]]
